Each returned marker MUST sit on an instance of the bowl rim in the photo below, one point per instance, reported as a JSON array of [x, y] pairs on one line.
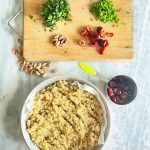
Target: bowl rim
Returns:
[[52, 80]]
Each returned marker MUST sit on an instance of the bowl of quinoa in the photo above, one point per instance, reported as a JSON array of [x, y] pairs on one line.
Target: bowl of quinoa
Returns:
[[65, 113]]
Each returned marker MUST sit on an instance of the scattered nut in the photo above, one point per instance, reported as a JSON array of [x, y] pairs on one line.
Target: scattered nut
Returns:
[[43, 65], [37, 73], [32, 68], [35, 64], [57, 36], [39, 66], [40, 71], [30, 64], [21, 62], [14, 50], [57, 43], [22, 68], [45, 68], [59, 40], [32, 71], [60, 37], [44, 75]]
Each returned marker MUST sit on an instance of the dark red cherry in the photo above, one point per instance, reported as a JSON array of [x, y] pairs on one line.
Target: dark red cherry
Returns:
[[118, 91], [101, 42], [99, 29], [102, 49], [112, 84], [125, 96], [113, 98], [93, 36], [124, 89]]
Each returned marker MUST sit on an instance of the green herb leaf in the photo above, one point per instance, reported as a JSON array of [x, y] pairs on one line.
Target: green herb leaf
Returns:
[[54, 11], [30, 16], [104, 11]]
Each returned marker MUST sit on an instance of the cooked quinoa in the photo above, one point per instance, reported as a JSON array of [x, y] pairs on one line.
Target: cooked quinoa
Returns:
[[65, 117]]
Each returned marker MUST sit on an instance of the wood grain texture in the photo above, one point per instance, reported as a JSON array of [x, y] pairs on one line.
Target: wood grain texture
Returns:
[[37, 42]]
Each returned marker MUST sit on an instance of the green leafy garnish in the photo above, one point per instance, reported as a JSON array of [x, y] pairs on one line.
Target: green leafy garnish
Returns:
[[54, 11], [30, 16], [104, 11]]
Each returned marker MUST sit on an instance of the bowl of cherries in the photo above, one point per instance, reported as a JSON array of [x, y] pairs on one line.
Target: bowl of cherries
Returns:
[[121, 89]]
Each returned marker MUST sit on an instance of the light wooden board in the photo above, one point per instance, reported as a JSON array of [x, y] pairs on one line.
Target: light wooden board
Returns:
[[37, 42]]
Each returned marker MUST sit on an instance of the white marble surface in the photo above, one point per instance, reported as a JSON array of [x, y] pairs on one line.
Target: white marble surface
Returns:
[[130, 128]]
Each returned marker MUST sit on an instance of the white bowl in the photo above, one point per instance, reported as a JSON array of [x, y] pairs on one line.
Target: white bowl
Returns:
[[29, 102]]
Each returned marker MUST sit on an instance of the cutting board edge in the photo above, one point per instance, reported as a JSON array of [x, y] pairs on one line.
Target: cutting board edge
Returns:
[[130, 58]]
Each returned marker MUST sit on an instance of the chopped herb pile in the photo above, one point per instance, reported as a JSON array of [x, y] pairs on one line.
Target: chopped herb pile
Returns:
[[104, 11], [54, 11]]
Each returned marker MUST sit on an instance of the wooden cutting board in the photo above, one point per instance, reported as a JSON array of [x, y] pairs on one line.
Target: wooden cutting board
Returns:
[[37, 42]]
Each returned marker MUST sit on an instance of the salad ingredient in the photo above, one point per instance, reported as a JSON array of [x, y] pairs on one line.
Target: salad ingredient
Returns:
[[99, 29], [109, 34], [122, 89], [54, 11], [89, 28], [93, 44], [84, 32], [59, 40], [95, 37], [102, 34], [63, 113], [30, 16], [86, 36], [102, 49], [106, 43], [82, 43], [104, 11], [103, 43], [31, 68], [110, 92]]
